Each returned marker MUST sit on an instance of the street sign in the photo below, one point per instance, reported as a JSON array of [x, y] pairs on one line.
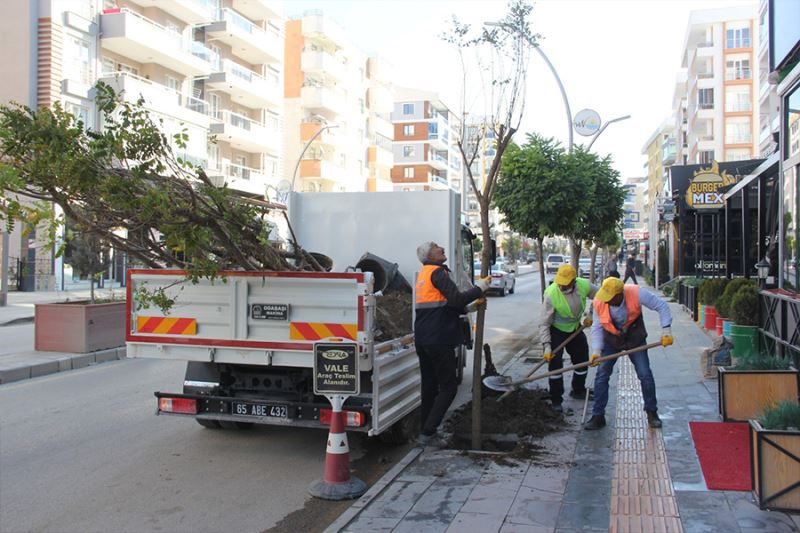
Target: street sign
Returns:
[[586, 122], [634, 234], [336, 368]]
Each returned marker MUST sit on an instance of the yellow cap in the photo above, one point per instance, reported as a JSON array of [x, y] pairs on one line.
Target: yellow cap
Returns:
[[565, 275], [610, 288]]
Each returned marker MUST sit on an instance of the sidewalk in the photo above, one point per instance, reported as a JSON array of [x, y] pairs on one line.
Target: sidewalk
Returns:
[[16, 319], [625, 477]]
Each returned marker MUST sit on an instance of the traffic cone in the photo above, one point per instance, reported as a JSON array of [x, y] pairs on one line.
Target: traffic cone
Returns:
[[337, 483]]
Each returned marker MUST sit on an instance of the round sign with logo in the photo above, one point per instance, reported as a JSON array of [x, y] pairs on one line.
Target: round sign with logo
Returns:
[[706, 190], [586, 122]]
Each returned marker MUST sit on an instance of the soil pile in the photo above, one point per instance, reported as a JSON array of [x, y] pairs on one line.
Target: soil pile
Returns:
[[525, 412], [393, 314]]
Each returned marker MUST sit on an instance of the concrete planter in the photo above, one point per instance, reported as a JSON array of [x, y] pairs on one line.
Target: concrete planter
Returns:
[[79, 327], [775, 467], [744, 394]]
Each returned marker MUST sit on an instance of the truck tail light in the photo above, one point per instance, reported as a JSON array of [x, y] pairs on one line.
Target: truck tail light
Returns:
[[178, 405], [497, 275], [354, 419]]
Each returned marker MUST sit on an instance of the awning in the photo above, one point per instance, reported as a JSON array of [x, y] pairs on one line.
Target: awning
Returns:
[[769, 166]]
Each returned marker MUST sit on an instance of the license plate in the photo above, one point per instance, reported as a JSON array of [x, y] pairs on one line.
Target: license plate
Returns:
[[259, 409]]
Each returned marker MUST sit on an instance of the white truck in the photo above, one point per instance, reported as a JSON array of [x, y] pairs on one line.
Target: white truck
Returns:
[[249, 339]]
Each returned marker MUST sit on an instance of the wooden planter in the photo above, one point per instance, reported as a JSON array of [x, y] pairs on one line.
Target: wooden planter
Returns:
[[744, 394], [79, 327], [775, 467]]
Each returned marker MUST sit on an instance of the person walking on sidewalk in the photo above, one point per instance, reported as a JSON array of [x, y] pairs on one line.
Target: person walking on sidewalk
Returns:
[[611, 266], [630, 272], [437, 332], [564, 305], [619, 325]]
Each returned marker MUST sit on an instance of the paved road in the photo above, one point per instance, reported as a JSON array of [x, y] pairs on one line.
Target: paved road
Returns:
[[82, 451]]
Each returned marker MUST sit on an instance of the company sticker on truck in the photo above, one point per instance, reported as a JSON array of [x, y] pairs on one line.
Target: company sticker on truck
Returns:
[[336, 368], [269, 311]]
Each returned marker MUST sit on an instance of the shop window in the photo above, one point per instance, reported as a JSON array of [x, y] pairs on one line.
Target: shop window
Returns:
[[791, 234]]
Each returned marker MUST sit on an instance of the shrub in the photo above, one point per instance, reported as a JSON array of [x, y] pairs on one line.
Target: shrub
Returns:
[[783, 416], [724, 302], [711, 290], [744, 306], [667, 290], [755, 361]]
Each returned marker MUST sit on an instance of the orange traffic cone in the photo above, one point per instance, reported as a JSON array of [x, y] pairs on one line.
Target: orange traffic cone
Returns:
[[337, 483]]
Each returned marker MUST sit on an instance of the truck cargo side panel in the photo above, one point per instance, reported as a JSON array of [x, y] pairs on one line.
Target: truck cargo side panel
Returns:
[[395, 387]]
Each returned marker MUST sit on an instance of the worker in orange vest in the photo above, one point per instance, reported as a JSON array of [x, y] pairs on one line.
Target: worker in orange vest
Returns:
[[619, 325], [437, 333]]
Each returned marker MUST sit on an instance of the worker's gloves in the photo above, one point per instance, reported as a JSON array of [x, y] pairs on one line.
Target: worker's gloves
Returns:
[[666, 337], [587, 322], [547, 355], [483, 283], [593, 359], [480, 301]]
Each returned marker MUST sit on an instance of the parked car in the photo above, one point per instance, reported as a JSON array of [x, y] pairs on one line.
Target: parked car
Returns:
[[553, 262], [585, 267], [531, 258], [503, 282], [503, 264]]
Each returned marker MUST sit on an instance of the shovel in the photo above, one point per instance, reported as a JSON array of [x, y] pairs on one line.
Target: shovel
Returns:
[[500, 383], [510, 386]]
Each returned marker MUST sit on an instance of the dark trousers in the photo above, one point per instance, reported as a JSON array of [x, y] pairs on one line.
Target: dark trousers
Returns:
[[437, 366], [641, 363], [578, 350], [629, 273]]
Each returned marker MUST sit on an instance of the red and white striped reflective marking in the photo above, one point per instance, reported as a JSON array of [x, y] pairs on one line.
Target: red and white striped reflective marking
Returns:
[[337, 443], [314, 331], [166, 325]]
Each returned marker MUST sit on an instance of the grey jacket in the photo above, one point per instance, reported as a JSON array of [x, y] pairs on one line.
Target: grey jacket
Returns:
[[548, 312]]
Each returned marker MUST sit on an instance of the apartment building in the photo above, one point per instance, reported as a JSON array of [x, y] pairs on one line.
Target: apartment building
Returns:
[[337, 132], [769, 120], [426, 156], [716, 105], [661, 152], [211, 68]]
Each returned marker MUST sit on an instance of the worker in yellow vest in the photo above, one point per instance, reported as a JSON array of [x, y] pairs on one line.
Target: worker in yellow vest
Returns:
[[619, 325], [564, 305], [437, 333]]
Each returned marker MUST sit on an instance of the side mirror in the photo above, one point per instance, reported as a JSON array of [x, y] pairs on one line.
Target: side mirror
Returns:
[[494, 251]]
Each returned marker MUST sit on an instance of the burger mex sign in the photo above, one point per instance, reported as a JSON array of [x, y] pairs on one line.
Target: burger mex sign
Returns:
[[707, 188]]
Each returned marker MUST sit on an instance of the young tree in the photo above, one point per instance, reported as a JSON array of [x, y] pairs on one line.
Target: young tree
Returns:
[[87, 256], [495, 60]]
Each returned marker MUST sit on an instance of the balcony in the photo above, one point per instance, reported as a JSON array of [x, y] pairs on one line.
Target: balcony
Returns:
[[669, 153], [259, 9], [190, 11], [379, 99], [380, 156], [437, 160], [319, 62], [322, 101], [140, 39], [329, 136], [322, 29], [738, 74], [438, 182], [159, 98], [244, 133], [437, 142], [247, 41], [245, 86], [322, 169], [739, 138], [245, 179]]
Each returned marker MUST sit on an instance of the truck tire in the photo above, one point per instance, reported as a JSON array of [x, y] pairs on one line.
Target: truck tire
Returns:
[[461, 361], [208, 424], [504, 292], [226, 424], [403, 430], [513, 287]]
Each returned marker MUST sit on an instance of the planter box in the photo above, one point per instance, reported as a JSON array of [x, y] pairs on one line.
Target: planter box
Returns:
[[744, 394], [775, 467], [79, 327]]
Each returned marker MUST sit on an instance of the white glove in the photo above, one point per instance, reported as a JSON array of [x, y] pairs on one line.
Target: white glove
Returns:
[[482, 284]]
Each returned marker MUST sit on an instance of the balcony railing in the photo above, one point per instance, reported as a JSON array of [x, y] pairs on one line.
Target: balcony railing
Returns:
[[741, 138], [200, 50], [235, 119], [705, 105], [738, 74], [706, 44], [738, 107], [155, 93]]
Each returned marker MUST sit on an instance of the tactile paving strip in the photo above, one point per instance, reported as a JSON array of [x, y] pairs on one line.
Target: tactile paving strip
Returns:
[[642, 498]]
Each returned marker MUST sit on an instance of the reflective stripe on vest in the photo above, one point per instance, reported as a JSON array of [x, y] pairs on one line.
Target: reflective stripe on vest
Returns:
[[428, 296], [563, 319], [631, 302]]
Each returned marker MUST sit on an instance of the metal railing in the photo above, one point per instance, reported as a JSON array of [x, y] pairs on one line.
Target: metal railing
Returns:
[[176, 97], [738, 138], [201, 51], [738, 74]]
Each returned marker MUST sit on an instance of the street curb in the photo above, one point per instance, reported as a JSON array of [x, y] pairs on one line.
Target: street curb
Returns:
[[354, 510], [18, 321], [61, 364]]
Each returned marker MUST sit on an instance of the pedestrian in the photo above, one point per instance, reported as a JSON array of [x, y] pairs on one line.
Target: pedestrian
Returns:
[[619, 325], [630, 265], [562, 315], [437, 333], [611, 265]]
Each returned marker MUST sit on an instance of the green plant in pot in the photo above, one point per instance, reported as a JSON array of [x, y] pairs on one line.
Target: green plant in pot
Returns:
[[755, 361], [775, 456], [723, 305], [784, 416], [744, 308]]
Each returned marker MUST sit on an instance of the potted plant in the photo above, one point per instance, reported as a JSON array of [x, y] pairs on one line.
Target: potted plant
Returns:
[[724, 303], [775, 457], [754, 383], [745, 310], [710, 292]]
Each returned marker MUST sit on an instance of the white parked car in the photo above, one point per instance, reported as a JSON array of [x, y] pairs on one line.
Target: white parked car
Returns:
[[503, 282], [553, 262]]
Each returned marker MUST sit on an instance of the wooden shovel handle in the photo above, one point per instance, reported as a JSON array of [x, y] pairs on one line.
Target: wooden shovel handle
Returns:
[[586, 364]]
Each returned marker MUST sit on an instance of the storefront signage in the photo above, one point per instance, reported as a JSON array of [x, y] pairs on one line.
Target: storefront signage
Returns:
[[634, 234], [706, 190]]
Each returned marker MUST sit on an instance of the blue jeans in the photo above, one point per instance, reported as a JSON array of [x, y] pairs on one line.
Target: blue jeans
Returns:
[[641, 362]]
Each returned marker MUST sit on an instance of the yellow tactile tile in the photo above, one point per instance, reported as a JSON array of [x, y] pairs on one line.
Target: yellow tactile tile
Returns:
[[642, 498]]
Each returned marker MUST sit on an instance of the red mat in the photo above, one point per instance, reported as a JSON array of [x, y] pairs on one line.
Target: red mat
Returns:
[[723, 449]]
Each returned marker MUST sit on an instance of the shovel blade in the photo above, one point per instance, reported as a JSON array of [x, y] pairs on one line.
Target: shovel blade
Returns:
[[498, 383]]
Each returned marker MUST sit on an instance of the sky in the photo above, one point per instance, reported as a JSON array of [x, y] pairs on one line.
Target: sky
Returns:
[[618, 57]]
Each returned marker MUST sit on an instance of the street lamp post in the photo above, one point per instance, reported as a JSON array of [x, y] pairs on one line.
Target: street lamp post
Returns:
[[602, 129], [302, 153]]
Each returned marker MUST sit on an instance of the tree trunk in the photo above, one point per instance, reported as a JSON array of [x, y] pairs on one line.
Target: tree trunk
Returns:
[[575, 252], [477, 352], [91, 285], [593, 262], [540, 250]]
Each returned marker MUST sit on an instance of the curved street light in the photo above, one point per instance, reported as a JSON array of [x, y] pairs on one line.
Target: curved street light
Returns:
[[313, 137], [596, 135]]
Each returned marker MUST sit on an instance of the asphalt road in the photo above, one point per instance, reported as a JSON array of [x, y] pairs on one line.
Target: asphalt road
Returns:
[[82, 451]]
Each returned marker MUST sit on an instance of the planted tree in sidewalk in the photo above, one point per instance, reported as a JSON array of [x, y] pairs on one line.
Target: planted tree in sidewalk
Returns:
[[127, 177], [87, 255], [498, 57]]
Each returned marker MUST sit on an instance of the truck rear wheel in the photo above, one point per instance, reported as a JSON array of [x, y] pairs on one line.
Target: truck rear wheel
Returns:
[[209, 424]]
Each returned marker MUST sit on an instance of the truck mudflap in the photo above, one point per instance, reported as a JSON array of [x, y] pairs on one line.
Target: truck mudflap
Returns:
[[258, 411]]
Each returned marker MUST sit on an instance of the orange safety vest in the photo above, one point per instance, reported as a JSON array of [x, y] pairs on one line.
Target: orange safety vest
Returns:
[[428, 296], [631, 293]]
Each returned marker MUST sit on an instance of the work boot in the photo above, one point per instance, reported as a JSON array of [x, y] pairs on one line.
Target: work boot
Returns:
[[436, 440], [581, 395], [596, 422], [652, 419], [557, 407]]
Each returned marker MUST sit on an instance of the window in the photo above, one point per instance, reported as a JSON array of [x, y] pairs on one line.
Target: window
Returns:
[[408, 130], [791, 232], [408, 109], [792, 121], [739, 154], [408, 150], [270, 167], [705, 156], [433, 130], [408, 172], [108, 66], [173, 84], [122, 67], [213, 156], [738, 131], [737, 38], [737, 98], [80, 67], [738, 69], [705, 99], [79, 112]]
